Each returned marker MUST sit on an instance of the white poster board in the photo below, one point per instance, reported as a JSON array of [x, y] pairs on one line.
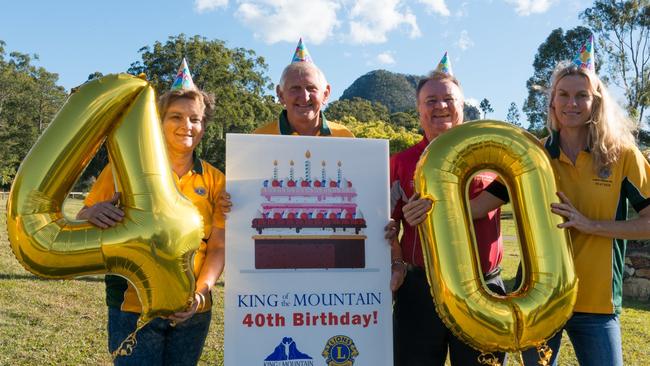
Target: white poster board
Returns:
[[307, 266]]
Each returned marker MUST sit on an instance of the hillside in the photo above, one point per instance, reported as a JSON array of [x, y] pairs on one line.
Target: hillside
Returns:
[[393, 90]]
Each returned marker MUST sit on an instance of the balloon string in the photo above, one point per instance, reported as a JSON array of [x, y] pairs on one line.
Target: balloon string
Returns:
[[488, 358], [521, 359], [544, 352], [128, 344]]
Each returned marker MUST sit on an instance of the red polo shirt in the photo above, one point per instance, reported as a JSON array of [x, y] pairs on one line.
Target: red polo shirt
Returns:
[[488, 231]]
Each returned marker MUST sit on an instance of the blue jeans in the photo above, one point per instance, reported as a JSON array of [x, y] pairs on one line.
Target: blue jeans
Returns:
[[158, 342], [596, 339], [419, 335]]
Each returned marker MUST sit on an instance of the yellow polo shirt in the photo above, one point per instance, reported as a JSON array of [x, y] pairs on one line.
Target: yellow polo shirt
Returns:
[[599, 260], [201, 185], [282, 127]]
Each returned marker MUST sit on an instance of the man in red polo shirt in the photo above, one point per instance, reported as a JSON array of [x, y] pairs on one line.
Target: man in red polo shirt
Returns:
[[421, 338]]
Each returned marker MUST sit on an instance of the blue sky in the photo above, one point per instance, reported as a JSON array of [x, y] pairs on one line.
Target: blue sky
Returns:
[[491, 43]]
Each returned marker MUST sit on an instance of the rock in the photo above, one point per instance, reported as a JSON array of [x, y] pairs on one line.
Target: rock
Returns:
[[629, 271], [642, 273], [633, 244], [637, 288], [639, 261], [638, 252]]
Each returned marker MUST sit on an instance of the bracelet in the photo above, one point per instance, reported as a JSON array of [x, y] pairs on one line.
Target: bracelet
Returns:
[[400, 262], [201, 300]]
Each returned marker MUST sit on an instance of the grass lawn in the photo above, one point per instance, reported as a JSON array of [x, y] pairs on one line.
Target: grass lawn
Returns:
[[63, 322], [56, 322]]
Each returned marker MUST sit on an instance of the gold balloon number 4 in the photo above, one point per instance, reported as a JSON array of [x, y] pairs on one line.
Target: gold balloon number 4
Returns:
[[154, 245], [544, 302]]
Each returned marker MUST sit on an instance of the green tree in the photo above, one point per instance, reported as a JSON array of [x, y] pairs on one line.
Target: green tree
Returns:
[[513, 115], [486, 107], [623, 30], [558, 46], [399, 137], [29, 99], [408, 119], [95, 75], [470, 112], [236, 76], [361, 109]]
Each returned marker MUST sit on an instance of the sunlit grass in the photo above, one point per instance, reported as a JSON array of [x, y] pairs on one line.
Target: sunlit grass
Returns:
[[63, 322]]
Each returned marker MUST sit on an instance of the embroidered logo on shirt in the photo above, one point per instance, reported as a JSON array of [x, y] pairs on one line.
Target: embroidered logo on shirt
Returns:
[[200, 191], [604, 173]]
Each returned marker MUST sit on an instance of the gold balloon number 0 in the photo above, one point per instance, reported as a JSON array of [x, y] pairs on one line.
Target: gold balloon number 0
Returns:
[[154, 245], [544, 302]]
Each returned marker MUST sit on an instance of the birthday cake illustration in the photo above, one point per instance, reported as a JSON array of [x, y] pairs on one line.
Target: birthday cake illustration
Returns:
[[308, 221]]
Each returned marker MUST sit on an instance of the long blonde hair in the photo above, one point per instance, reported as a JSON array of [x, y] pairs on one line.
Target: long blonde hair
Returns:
[[610, 130]]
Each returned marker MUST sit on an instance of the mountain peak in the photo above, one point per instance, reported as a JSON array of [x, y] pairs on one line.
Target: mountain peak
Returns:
[[394, 90]]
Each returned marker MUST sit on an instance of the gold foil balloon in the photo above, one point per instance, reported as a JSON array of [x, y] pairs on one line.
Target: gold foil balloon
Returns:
[[544, 302], [154, 244]]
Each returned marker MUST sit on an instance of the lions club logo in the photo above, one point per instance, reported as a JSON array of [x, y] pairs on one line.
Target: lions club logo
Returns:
[[340, 351]]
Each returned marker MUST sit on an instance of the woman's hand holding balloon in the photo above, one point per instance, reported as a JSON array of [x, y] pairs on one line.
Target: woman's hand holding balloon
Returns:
[[192, 308], [575, 218], [103, 214]]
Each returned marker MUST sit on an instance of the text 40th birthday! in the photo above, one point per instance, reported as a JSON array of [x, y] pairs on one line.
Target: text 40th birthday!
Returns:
[[300, 319]]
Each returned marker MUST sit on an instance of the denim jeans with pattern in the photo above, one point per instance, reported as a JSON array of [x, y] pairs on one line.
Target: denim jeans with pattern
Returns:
[[158, 342]]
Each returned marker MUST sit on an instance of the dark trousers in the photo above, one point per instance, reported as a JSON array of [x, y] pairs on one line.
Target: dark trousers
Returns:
[[420, 336]]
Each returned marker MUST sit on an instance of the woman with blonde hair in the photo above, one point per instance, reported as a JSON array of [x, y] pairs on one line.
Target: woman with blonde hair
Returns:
[[599, 170]]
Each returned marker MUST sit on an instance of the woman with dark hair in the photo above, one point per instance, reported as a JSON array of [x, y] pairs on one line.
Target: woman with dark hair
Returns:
[[179, 339]]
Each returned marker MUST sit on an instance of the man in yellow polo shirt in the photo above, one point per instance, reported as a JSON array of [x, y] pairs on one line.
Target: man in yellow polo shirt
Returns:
[[303, 91]]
